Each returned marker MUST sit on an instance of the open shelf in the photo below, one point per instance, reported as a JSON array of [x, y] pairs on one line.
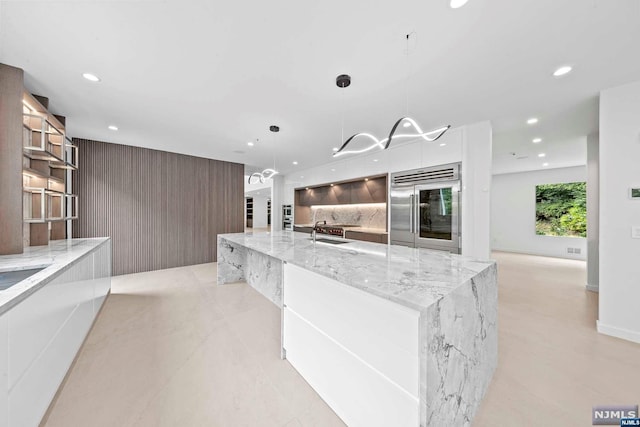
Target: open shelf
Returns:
[[48, 156]]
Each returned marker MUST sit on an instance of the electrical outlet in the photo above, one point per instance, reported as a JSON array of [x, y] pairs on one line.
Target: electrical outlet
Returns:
[[577, 250], [570, 250], [635, 232]]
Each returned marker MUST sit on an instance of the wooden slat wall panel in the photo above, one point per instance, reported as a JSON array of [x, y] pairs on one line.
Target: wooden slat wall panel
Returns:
[[161, 209], [11, 226]]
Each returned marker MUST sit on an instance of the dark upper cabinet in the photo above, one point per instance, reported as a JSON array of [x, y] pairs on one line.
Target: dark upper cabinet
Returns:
[[307, 197], [373, 190], [340, 194]]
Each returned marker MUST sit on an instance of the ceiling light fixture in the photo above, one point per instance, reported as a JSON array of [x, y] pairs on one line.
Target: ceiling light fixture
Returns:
[[250, 144], [406, 121], [112, 127], [532, 121], [443, 144], [562, 71], [295, 163], [542, 155], [545, 164], [455, 4], [268, 173], [91, 77], [537, 140], [335, 149]]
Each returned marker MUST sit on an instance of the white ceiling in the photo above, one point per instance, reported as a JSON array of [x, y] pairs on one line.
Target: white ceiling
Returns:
[[203, 77]]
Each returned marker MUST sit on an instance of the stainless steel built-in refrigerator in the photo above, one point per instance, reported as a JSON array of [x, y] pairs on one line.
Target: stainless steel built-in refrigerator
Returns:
[[425, 208]]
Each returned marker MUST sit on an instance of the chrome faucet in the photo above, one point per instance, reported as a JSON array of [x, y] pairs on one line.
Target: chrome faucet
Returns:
[[313, 230]]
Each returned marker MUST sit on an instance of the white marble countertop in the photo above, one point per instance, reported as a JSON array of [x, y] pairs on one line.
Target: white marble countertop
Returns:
[[55, 258], [415, 278]]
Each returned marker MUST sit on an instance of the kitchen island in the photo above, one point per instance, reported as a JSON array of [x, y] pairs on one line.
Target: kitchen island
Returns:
[[387, 335]]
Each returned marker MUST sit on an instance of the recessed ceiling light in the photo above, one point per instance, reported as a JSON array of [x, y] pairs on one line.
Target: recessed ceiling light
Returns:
[[542, 155], [455, 4], [91, 77], [562, 71], [375, 160], [406, 124], [112, 127], [443, 144], [250, 144], [545, 164], [301, 176], [335, 148], [332, 185], [366, 179], [532, 121], [295, 163], [537, 140]]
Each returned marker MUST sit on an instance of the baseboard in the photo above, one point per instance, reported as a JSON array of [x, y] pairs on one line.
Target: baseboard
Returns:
[[581, 257], [624, 334], [593, 288]]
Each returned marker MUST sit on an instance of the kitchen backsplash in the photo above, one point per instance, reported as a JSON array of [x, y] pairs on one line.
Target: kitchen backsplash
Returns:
[[373, 215]]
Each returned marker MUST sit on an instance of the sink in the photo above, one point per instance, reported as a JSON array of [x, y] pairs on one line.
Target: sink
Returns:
[[331, 241], [10, 278]]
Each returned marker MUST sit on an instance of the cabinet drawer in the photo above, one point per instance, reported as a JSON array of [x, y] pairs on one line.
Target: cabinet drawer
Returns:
[[358, 394], [381, 333]]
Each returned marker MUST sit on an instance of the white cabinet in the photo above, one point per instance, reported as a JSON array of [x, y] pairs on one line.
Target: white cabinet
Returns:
[[42, 335], [358, 351]]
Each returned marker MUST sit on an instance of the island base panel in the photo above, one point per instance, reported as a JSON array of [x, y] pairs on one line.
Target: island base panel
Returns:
[[239, 264]]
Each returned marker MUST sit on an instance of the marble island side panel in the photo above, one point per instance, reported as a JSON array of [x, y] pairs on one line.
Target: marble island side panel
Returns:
[[459, 351], [237, 263]]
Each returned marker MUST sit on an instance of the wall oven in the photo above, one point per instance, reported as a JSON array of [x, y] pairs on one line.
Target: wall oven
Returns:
[[425, 208], [287, 217]]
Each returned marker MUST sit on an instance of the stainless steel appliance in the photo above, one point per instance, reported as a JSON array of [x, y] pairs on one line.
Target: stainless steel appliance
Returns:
[[333, 229], [425, 208], [287, 217]]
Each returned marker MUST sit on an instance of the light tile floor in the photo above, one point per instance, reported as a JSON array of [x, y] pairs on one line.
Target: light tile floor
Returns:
[[171, 348]]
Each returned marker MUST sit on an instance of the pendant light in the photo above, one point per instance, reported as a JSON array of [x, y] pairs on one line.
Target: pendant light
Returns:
[[267, 173], [408, 122]]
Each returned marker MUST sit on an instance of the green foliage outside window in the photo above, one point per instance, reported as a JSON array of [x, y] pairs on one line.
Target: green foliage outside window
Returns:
[[561, 209]]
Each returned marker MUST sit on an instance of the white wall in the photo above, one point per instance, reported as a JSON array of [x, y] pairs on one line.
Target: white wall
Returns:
[[619, 253], [476, 190], [513, 213], [277, 196], [260, 211], [469, 144], [593, 211]]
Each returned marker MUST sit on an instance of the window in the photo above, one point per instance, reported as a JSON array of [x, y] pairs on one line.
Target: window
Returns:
[[561, 209]]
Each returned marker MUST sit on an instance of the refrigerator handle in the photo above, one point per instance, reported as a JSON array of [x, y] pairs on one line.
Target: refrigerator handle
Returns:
[[412, 213]]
